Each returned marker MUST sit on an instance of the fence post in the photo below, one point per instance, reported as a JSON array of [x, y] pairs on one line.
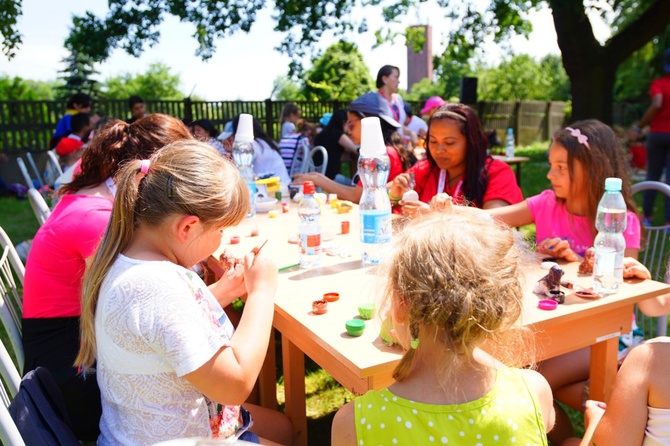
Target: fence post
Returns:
[[547, 121], [517, 121], [269, 119], [188, 111]]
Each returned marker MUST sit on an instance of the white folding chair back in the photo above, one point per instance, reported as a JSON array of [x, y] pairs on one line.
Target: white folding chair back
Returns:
[[299, 157], [54, 163], [24, 172], [11, 307], [653, 256], [31, 161], [9, 434], [309, 166], [40, 207], [14, 259]]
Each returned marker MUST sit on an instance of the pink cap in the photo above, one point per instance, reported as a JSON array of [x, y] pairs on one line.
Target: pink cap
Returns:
[[432, 102]]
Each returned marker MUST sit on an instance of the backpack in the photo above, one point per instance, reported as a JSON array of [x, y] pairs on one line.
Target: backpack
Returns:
[[38, 410]]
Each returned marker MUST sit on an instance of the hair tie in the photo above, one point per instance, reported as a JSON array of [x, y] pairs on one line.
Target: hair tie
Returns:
[[144, 166], [581, 138]]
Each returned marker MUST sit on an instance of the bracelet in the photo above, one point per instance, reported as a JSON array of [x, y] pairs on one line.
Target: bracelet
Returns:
[[392, 197]]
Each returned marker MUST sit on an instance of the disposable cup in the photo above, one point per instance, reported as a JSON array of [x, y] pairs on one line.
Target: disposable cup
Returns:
[[372, 141], [245, 128]]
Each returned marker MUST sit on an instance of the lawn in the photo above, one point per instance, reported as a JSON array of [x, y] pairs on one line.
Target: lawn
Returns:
[[324, 394]]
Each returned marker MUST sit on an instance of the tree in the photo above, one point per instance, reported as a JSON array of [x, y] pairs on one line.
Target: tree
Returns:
[[339, 74], [156, 83], [18, 89], [77, 76], [11, 10], [284, 89], [590, 65], [523, 78]]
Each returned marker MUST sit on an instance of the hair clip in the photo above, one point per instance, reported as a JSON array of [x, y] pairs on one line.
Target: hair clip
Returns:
[[144, 166], [169, 187], [581, 138]]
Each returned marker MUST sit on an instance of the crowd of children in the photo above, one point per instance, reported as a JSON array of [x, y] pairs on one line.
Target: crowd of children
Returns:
[[148, 354]]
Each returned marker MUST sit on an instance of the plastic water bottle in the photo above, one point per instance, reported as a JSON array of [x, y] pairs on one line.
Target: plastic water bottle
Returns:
[[309, 229], [374, 206], [609, 243], [509, 143], [243, 155]]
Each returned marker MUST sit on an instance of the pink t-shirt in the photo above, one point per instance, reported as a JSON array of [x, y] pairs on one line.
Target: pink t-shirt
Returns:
[[57, 256], [553, 220]]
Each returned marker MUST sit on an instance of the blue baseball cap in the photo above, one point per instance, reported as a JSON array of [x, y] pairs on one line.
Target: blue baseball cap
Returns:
[[227, 131], [325, 119], [372, 104]]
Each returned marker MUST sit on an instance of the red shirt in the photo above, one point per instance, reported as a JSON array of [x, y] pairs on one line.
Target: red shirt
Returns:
[[661, 122], [502, 183]]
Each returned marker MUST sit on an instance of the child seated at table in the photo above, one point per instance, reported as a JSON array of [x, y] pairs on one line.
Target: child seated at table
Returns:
[[445, 303], [168, 362]]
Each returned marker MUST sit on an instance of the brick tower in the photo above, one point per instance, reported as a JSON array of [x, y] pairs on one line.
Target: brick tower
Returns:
[[420, 65]]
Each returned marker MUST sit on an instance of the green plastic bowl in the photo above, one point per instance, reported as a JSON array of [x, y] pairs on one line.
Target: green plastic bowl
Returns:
[[355, 327], [366, 311]]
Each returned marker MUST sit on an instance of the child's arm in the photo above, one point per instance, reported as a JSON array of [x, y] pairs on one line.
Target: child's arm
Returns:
[[625, 419], [656, 306], [229, 376], [544, 396], [513, 215], [343, 431], [593, 413]]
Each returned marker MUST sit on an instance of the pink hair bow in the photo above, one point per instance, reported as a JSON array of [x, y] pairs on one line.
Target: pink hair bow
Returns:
[[581, 138]]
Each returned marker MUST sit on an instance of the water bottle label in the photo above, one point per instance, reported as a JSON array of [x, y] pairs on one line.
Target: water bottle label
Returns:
[[310, 245], [376, 226]]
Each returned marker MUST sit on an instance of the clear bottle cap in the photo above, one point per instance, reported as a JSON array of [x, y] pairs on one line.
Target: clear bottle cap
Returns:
[[372, 141], [245, 128], [613, 184]]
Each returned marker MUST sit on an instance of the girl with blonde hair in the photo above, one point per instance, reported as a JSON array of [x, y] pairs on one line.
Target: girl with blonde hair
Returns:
[[168, 362], [444, 304]]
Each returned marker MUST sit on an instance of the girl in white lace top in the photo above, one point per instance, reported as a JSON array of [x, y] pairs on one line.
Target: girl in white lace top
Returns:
[[169, 364]]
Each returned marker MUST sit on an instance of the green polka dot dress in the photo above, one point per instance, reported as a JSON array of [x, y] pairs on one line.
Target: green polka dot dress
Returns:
[[508, 415]]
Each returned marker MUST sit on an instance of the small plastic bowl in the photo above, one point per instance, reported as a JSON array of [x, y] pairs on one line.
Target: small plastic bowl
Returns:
[[355, 327], [319, 307], [331, 297], [547, 304], [366, 311], [587, 294], [557, 295]]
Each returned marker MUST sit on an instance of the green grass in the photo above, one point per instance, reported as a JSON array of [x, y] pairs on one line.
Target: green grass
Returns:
[[17, 219]]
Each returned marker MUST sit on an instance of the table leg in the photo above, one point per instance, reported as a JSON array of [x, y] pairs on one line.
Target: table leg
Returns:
[[518, 174], [268, 377], [603, 369], [294, 390]]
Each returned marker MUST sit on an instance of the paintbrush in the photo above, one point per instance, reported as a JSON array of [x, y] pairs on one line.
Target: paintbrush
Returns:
[[257, 250]]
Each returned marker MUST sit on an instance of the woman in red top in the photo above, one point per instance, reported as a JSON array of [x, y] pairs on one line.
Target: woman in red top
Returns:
[[458, 164]]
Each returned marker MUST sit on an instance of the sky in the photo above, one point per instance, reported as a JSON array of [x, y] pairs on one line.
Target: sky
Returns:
[[244, 65]]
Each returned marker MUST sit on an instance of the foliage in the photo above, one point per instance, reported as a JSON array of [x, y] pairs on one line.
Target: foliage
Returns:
[[78, 76], [156, 83], [523, 78], [424, 89], [284, 89], [18, 89], [11, 38], [338, 74]]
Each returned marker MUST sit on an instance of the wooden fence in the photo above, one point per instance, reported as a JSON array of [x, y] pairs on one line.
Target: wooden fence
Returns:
[[28, 125]]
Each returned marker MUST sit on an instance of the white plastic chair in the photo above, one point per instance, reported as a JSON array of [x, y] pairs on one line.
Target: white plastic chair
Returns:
[[31, 161], [11, 306], [9, 434], [40, 207], [652, 256], [299, 157], [24, 172], [54, 169], [309, 166], [14, 258]]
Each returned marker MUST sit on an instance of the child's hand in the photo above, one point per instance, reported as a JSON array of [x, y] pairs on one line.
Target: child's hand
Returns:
[[634, 269], [593, 411], [441, 202], [260, 274], [401, 184], [414, 208], [558, 248]]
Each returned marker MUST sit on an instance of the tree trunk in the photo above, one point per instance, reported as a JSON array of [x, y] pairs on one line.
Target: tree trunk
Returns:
[[593, 91]]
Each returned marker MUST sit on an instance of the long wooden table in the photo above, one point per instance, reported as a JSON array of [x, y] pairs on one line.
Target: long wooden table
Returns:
[[364, 363], [514, 161]]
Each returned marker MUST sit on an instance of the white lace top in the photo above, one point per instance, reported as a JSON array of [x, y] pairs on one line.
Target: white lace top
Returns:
[[156, 322]]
